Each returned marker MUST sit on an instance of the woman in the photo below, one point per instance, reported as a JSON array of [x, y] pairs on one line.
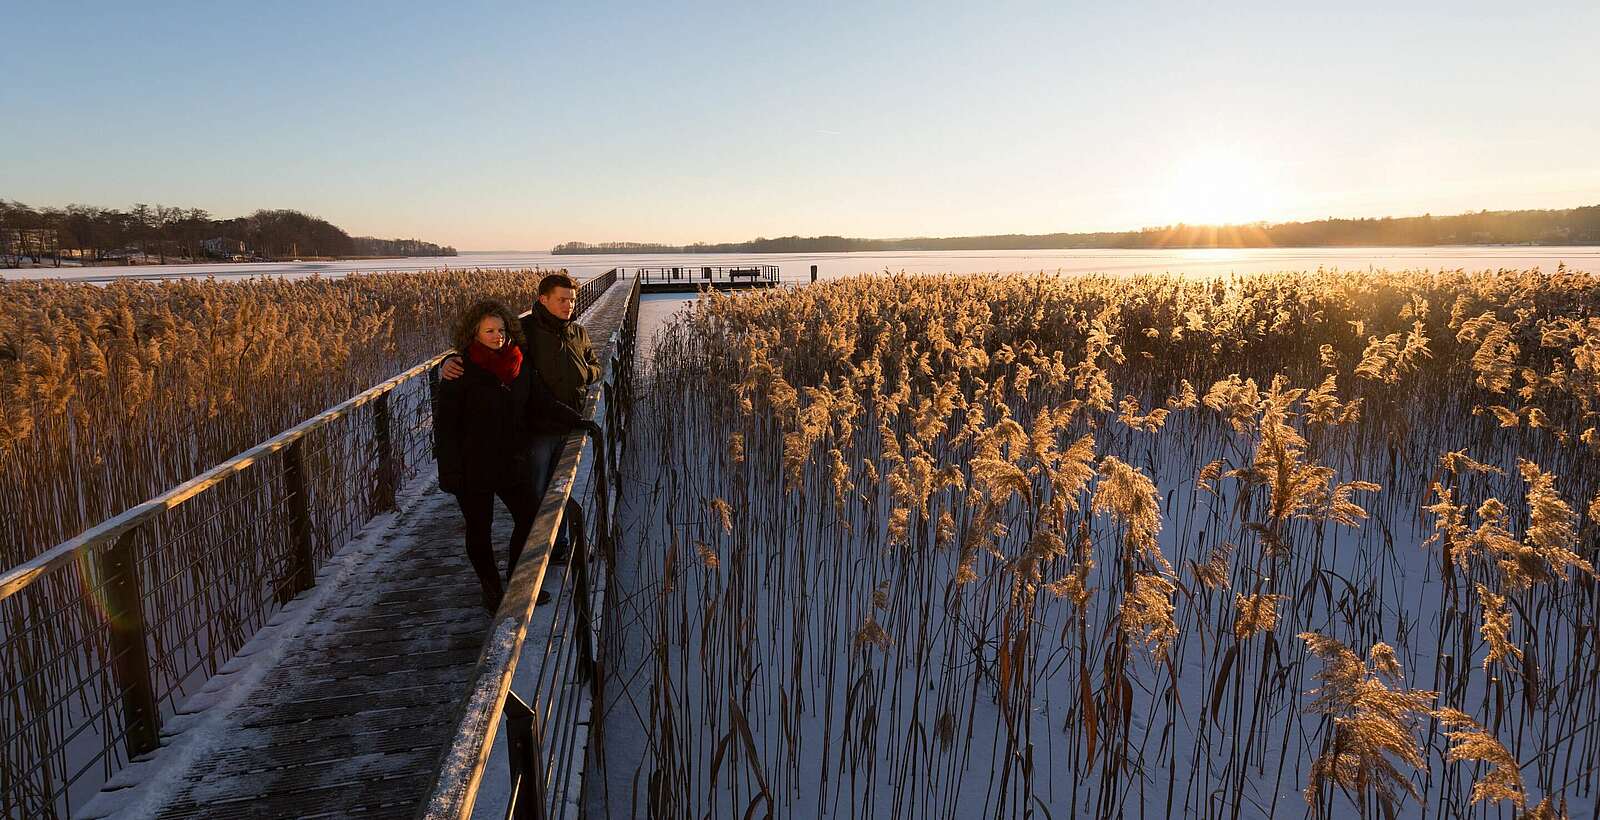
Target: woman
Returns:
[[482, 422]]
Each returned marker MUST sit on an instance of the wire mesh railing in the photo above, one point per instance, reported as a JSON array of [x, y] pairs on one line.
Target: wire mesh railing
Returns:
[[105, 634]]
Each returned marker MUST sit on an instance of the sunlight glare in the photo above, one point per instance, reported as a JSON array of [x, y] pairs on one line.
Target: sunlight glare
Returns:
[[1213, 187]]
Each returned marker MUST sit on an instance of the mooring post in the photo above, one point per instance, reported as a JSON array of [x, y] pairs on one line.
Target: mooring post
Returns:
[[301, 576], [130, 656], [383, 498], [813, 273]]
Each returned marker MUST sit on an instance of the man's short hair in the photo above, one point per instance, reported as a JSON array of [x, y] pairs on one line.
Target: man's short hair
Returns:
[[559, 279]]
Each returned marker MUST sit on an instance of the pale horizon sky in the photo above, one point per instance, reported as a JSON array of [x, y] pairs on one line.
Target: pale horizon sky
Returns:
[[504, 126]]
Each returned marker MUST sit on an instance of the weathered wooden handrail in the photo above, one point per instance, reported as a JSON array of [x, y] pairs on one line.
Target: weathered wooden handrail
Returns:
[[18, 577], [461, 769], [469, 746]]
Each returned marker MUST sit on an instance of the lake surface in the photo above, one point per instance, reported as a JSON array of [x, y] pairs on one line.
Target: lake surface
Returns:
[[796, 267]]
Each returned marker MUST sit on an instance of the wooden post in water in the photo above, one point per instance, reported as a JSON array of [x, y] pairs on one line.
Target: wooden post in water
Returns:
[[301, 576], [813, 273], [130, 657], [385, 488]]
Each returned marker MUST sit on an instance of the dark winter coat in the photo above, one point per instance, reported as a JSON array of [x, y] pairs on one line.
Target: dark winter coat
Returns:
[[560, 351], [483, 430]]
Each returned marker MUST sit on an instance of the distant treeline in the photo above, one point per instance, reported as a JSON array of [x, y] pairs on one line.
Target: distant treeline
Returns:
[[157, 233], [1575, 226]]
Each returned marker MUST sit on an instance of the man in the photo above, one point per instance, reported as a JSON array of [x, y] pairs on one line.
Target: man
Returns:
[[559, 349]]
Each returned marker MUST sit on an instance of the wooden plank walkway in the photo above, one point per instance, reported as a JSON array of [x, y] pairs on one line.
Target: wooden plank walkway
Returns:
[[341, 707]]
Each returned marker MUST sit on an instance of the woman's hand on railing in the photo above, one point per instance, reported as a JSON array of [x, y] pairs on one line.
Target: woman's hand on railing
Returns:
[[451, 369]]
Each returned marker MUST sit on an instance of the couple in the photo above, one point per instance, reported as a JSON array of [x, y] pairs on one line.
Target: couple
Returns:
[[505, 404]]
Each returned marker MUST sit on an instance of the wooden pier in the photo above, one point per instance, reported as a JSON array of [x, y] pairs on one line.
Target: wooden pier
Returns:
[[352, 716], [376, 686], [696, 278]]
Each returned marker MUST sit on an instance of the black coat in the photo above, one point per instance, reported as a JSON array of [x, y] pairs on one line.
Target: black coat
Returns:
[[483, 430], [560, 350]]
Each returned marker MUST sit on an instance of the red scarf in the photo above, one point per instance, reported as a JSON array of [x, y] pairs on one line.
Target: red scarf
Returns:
[[504, 363]]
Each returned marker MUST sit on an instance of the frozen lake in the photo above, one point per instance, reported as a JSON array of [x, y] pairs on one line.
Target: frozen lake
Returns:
[[656, 308], [797, 266]]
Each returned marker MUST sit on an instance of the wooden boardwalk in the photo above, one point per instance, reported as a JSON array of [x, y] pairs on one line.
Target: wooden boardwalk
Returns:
[[343, 705]]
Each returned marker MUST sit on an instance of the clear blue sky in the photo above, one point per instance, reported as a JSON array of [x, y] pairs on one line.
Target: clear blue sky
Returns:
[[515, 126]]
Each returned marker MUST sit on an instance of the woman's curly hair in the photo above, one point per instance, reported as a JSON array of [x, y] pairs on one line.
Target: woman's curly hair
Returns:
[[466, 328]]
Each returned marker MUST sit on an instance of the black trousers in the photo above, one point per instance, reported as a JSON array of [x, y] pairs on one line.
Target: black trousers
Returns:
[[477, 507]]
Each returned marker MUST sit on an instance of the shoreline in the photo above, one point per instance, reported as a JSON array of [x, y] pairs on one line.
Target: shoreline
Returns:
[[700, 252], [796, 266], [114, 263]]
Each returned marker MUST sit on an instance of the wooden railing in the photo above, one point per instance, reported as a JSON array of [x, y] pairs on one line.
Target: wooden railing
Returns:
[[104, 634], [545, 720]]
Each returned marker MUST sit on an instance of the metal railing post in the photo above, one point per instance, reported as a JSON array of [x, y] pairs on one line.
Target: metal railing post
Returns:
[[130, 655], [613, 430], [302, 574], [523, 750], [384, 488], [582, 603]]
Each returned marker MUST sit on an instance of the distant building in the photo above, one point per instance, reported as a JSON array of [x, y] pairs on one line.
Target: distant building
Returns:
[[222, 248]]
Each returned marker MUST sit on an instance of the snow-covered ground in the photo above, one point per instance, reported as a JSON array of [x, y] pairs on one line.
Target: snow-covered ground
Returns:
[[210, 716]]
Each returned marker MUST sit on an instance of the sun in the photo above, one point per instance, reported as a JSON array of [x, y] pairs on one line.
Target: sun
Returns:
[[1215, 187]]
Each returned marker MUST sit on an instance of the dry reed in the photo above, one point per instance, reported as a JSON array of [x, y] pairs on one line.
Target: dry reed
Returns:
[[948, 534]]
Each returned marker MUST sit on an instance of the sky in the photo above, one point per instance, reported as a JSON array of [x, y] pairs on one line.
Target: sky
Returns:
[[516, 125]]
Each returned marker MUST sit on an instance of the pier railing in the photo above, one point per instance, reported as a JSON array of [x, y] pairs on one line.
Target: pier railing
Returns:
[[546, 705], [708, 274], [104, 634]]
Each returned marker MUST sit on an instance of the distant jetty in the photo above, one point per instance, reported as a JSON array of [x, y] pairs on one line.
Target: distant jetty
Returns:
[[695, 278]]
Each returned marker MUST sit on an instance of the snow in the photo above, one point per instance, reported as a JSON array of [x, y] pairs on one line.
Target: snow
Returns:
[[202, 720], [795, 267], [462, 757]]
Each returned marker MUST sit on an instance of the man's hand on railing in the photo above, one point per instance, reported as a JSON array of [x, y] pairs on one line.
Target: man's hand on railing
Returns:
[[451, 369]]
